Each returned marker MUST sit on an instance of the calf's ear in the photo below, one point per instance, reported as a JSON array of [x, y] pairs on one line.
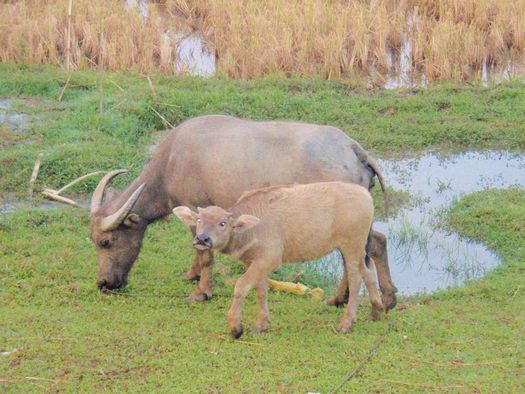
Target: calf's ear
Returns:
[[245, 222], [186, 216]]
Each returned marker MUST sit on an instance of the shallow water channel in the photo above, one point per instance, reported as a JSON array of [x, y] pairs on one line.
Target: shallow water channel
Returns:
[[423, 255]]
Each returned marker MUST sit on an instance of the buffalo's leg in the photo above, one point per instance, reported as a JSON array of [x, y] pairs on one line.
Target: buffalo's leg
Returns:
[[371, 286], [194, 272], [378, 252], [204, 289]]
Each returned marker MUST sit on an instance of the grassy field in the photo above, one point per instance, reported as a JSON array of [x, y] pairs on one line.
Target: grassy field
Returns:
[[76, 139], [66, 336], [61, 334]]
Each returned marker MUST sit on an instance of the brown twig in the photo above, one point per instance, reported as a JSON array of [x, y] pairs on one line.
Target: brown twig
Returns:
[[222, 338], [100, 73], [77, 86], [114, 83], [55, 194], [68, 43], [368, 357], [51, 194], [168, 105], [34, 175], [162, 118], [423, 385], [458, 363], [64, 88], [153, 91], [79, 179], [15, 379]]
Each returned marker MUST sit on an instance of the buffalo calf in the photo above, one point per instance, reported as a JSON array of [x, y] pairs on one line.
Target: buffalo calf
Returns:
[[277, 224]]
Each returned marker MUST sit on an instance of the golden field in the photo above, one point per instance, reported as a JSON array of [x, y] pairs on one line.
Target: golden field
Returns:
[[447, 39]]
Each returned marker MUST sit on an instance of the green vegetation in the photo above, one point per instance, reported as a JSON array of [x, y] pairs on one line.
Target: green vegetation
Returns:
[[76, 139], [69, 337], [60, 334]]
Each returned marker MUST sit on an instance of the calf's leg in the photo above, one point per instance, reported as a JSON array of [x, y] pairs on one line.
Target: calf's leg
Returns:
[[352, 263], [194, 273], [204, 290], [264, 316], [253, 276]]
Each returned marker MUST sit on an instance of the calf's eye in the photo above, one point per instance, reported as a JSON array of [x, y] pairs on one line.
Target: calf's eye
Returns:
[[104, 243], [222, 224]]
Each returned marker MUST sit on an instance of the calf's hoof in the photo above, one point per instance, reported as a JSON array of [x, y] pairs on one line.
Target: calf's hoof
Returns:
[[198, 297], [389, 300], [259, 329], [335, 301], [236, 331]]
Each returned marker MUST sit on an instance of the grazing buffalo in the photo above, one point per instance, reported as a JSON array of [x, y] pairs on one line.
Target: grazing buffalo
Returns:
[[277, 224], [212, 160]]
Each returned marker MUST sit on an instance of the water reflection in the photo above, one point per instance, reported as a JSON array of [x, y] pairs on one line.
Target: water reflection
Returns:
[[423, 256]]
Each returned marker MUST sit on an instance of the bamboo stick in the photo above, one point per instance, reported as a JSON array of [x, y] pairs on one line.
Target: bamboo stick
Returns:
[[68, 43], [100, 73], [34, 175]]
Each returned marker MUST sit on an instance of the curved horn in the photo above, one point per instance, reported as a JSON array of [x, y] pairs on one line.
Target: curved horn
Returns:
[[112, 221], [96, 200]]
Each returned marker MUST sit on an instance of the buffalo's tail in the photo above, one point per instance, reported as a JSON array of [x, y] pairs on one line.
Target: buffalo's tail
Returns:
[[363, 156]]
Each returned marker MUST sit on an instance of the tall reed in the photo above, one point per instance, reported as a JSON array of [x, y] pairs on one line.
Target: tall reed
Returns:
[[448, 39]]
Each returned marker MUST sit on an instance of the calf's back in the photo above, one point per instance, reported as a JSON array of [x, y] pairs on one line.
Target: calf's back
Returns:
[[305, 222]]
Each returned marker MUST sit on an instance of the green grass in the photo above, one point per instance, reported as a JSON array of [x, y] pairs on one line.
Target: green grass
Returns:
[[72, 338], [69, 337], [75, 138]]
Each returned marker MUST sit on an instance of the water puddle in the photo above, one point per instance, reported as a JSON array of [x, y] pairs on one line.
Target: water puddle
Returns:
[[192, 54], [423, 256], [402, 74], [11, 206], [14, 121]]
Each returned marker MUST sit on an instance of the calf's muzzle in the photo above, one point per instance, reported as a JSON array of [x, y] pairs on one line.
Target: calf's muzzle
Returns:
[[202, 241]]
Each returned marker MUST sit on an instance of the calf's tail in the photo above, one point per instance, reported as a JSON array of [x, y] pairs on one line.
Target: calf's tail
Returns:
[[367, 248]]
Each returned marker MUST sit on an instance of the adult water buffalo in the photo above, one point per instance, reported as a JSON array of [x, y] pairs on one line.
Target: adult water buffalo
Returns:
[[212, 160]]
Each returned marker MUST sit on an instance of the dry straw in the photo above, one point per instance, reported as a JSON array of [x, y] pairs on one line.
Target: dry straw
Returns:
[[448, 39]]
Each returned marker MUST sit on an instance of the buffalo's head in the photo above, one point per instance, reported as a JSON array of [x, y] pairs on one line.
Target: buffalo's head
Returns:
[[117, 233]]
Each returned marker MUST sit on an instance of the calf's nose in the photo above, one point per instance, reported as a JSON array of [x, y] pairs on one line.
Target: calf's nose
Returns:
[[203, 239]]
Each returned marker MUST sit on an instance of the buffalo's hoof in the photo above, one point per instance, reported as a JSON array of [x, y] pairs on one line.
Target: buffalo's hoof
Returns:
[[389, 300], [236, 331], [374, 316], [198, 297], [377, 309], [345, 328], [335, 301], [192, 276]]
